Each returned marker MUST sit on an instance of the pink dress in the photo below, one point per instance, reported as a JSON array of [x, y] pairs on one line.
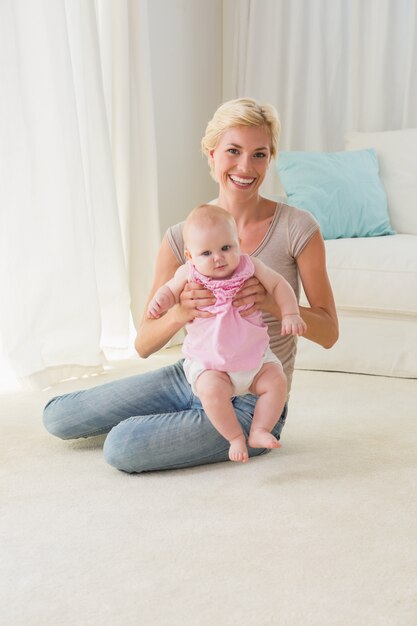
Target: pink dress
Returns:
[[227, 342]]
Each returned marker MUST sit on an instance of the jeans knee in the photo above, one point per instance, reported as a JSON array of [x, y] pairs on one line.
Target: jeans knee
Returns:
[[116, 454], [110, 452], [54, 419]]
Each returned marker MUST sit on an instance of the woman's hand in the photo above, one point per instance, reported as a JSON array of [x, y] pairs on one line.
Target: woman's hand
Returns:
[[192, 297], [254, 293]]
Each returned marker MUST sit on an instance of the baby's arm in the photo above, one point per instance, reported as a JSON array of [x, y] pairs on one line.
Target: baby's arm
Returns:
[[167, 295], [283, 293]]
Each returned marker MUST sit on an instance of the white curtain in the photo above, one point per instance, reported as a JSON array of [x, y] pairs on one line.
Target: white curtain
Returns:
[[329, 66], [77, 177], [126, 64]]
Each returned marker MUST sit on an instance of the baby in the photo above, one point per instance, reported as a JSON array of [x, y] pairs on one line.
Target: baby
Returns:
[[226, 354]]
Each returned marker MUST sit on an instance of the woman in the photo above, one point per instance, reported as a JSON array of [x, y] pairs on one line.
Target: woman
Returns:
[[154, 421]]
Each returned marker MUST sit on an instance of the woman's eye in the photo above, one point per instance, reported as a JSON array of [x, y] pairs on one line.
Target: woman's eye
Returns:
[[233, 151], [259, 155]]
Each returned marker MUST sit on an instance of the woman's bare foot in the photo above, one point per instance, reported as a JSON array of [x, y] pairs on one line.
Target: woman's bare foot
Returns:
[[238, 450], [262, 438]]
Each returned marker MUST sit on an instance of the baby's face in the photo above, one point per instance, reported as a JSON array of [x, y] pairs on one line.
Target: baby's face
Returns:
[[214, 250]]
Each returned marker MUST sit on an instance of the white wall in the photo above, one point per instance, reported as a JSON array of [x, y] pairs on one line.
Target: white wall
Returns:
[[186, 63]]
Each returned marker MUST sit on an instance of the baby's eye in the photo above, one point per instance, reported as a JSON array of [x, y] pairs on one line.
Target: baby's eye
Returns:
[[226, 248], [206, 253]]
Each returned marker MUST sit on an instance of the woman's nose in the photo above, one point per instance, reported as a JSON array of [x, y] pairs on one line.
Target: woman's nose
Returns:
[[244, 162]]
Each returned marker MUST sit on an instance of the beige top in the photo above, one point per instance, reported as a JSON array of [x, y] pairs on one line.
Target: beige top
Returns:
[[288, 233]]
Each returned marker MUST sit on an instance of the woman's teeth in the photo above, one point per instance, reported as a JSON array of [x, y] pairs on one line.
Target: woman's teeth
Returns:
[[242, 181]]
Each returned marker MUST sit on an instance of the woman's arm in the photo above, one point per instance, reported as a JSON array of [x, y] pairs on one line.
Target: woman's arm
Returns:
[[153, 334], [320, 316]]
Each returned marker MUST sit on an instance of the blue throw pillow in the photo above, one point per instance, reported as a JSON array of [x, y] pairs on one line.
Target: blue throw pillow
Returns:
[[341, 189]]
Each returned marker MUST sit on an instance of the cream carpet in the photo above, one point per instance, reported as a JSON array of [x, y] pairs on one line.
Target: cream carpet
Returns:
[[322, 532]]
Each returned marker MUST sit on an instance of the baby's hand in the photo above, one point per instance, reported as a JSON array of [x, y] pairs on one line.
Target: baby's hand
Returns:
[[161, 302], [293, 325], [154, 309]]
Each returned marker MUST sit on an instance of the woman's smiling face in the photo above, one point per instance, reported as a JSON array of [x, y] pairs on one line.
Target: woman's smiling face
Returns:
[[241, 159]]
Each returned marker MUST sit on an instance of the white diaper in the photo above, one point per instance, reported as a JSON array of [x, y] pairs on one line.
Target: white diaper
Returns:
[[241, 381]]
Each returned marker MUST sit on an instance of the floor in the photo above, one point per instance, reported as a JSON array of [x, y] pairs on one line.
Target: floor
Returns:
[[321, 532]]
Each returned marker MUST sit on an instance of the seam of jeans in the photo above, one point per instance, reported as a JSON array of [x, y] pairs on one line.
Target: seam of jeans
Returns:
[[93, 433]]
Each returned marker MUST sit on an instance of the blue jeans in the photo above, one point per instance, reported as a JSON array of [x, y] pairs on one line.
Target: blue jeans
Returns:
[[153, 421]]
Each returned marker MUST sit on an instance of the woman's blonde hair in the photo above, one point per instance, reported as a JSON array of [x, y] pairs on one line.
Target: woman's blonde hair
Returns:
[[241, 112]]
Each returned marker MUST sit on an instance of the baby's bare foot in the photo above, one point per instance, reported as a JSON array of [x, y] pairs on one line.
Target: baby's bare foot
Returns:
[[238, 450], [262, 438]]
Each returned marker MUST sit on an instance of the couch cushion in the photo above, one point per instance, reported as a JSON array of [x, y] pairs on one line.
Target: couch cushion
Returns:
[[341, 189], [397, 156], [369, 343], [377, 274]]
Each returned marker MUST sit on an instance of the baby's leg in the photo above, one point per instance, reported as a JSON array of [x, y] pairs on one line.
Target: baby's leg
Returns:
[[270, 384], [215, 391]]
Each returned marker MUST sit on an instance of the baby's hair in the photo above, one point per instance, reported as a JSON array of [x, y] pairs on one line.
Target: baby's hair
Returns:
[[241, 112], [206, 215]]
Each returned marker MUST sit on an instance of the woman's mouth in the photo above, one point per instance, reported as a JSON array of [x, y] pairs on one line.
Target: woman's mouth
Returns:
[[241, 183]]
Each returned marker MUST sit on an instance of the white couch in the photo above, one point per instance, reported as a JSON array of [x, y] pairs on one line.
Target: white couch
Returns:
[[374, 279]]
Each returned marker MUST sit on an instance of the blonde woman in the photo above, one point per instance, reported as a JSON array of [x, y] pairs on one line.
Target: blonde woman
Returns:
[[153, 420]]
